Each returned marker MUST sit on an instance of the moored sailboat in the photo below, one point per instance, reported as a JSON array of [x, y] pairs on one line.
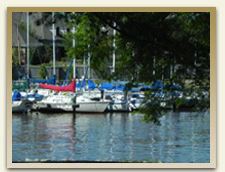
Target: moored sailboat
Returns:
[[69, 102]]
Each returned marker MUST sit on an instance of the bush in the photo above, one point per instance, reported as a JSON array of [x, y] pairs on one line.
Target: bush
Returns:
[[43, 71]]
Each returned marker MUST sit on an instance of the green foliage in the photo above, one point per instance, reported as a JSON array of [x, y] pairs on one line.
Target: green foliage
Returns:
[[41, 54], [15, 58], [43, 71], [147, 42], [170, 38], [89, 39], [151, 108], [194, 99]]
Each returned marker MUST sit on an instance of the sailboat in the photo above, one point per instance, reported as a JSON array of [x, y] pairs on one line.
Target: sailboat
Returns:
[[57, 102], [66, 100], [20, 104]]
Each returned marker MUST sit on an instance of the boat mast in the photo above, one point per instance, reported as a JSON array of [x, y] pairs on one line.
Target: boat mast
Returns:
[[18, 43], [28, 45], [84, 65], [89, 58], [114, 48], [53, 41], [74, 60], [74, 68]]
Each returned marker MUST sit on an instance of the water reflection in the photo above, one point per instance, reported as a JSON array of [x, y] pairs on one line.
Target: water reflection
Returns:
[[181, 137]]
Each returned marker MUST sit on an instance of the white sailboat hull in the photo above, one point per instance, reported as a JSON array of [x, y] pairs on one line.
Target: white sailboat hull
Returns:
[[53, 107], [66, 104], [92, 107], [89, 107]]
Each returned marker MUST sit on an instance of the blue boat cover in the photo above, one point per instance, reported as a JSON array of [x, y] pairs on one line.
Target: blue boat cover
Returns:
[[16, 96], [120, 87], [157, 85], [91, 85], [106, 85], [81, 84], [78, 84], [37, 97]]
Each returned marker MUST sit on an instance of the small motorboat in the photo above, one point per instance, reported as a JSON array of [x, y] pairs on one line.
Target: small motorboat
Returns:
[[20, 104]]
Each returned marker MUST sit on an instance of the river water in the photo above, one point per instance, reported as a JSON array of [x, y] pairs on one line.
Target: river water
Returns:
[[116, 137]]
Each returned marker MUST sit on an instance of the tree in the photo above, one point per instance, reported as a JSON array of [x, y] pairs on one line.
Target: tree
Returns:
[[169, 38], [148, 47], [43, 71]]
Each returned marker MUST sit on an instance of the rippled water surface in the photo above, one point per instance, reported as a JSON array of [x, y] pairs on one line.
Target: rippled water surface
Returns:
[[181, 137]]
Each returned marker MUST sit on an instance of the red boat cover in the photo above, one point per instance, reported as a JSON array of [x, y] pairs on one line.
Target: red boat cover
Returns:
[[71, 87]]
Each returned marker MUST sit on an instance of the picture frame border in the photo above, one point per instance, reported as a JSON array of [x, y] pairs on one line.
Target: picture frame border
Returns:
[[213, 88]]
